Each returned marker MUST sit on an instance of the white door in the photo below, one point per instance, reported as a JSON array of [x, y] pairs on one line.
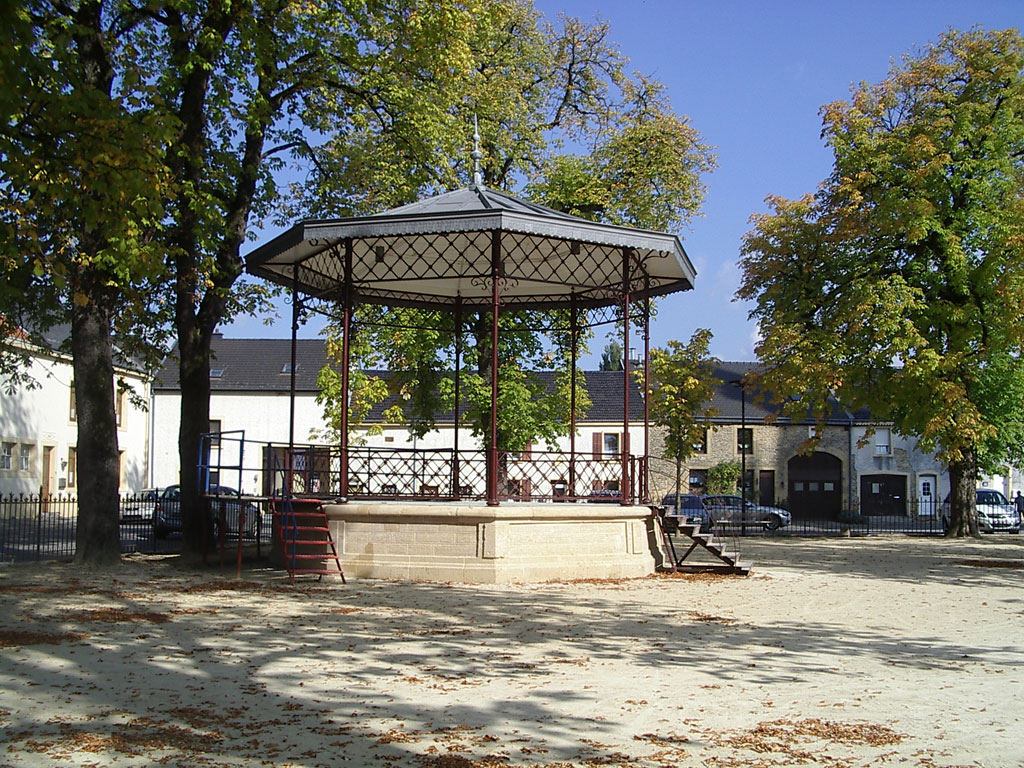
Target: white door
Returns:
[[927, 490]]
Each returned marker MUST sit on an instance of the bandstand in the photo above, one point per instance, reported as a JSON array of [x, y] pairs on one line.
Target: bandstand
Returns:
[[477, 253]]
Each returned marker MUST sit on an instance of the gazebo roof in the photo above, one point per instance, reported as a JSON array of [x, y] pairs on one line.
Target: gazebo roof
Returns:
[[437, 251]]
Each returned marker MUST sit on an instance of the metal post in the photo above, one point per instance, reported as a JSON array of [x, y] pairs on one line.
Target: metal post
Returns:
[[456, 490], [743, 458], [290, 465], [647, 385], [346, 328], [492, 449], [574, 336], [626, 481]]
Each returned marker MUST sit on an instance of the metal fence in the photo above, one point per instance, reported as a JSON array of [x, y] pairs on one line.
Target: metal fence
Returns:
[[381, 472], [920, 517], [35, 527]]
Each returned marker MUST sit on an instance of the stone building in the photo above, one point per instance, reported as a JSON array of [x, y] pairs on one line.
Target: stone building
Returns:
[[859, 463]]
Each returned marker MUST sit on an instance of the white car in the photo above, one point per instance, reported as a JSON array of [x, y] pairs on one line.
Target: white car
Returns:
[[995, 512]]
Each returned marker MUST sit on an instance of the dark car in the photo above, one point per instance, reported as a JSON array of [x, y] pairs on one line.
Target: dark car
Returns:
[[691, 509], [167, 512]]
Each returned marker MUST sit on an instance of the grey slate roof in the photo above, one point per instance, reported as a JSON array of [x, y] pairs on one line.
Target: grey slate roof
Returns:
[[253, 365], [440, 251], [727, 400]]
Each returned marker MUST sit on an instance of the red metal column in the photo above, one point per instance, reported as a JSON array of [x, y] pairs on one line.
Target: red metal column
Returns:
[[346, 327], [645, 478], [625, 484], [290, 464], [574, 335], [456, 490], [492, 449]]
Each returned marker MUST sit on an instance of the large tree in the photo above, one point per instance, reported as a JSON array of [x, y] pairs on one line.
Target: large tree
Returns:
[[535, 86], [81, 189], [252, 83], [898, 285]]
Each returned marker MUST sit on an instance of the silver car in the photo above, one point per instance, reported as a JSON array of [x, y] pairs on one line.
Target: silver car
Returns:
[[729, 510]]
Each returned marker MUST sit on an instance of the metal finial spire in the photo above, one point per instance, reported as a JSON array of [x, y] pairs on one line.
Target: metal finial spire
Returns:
[[477, 155]]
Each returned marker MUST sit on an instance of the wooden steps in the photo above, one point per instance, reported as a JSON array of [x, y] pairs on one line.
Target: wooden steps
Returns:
[[728, 561]]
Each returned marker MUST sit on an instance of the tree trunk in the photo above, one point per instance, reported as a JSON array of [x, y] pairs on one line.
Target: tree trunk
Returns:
[[963, 512], [194, 377], [96, 539], [92, 305]]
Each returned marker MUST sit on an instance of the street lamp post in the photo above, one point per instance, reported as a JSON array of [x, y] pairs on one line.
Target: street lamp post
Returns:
[[744, 445]]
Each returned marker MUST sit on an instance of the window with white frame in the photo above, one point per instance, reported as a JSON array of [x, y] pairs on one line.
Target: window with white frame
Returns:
[[611, 443], [883, 442], [25, 457], [7, 455]]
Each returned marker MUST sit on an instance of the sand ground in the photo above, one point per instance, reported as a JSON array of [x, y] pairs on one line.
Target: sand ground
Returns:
[[834, 652]]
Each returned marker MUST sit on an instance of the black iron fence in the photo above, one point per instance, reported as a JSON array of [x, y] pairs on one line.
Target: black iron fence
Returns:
[[912, 516], [35, 527], [381, 472]]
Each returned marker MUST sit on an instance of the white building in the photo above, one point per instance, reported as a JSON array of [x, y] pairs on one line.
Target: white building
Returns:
[[39, 428], [250, 381]]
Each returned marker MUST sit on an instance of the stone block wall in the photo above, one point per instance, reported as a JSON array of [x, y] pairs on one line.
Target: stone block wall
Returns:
[[774, 446]]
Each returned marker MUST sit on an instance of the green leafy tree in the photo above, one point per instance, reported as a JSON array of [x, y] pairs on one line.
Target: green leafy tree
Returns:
[[723, 478], [534, 86], [897, 286], [82, 186], [252, 85], [611, 358], [681, 387]]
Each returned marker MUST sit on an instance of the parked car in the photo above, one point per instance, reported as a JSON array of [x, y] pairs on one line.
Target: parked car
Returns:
[[730, 510], [139, 506], [995, 513], [691, 509], [167, 512]]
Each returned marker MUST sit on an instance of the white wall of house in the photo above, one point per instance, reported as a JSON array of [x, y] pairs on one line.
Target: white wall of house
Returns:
[[886, 452], [39, 434], [262, 416]]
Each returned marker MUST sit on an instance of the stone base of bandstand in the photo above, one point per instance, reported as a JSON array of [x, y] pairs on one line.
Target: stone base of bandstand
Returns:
[[473, 543]]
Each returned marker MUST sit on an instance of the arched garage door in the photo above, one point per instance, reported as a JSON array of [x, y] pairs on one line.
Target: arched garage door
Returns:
[[815, 486]]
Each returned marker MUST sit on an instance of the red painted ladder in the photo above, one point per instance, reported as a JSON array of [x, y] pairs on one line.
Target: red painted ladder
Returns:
[[306, 542]]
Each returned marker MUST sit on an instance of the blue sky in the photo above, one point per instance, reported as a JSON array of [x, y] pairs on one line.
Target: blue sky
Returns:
[[752, 76]]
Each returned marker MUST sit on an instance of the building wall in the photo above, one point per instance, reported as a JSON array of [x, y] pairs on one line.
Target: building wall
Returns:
[[775, 444], [903, 459], [263, 417], [40, 419]]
